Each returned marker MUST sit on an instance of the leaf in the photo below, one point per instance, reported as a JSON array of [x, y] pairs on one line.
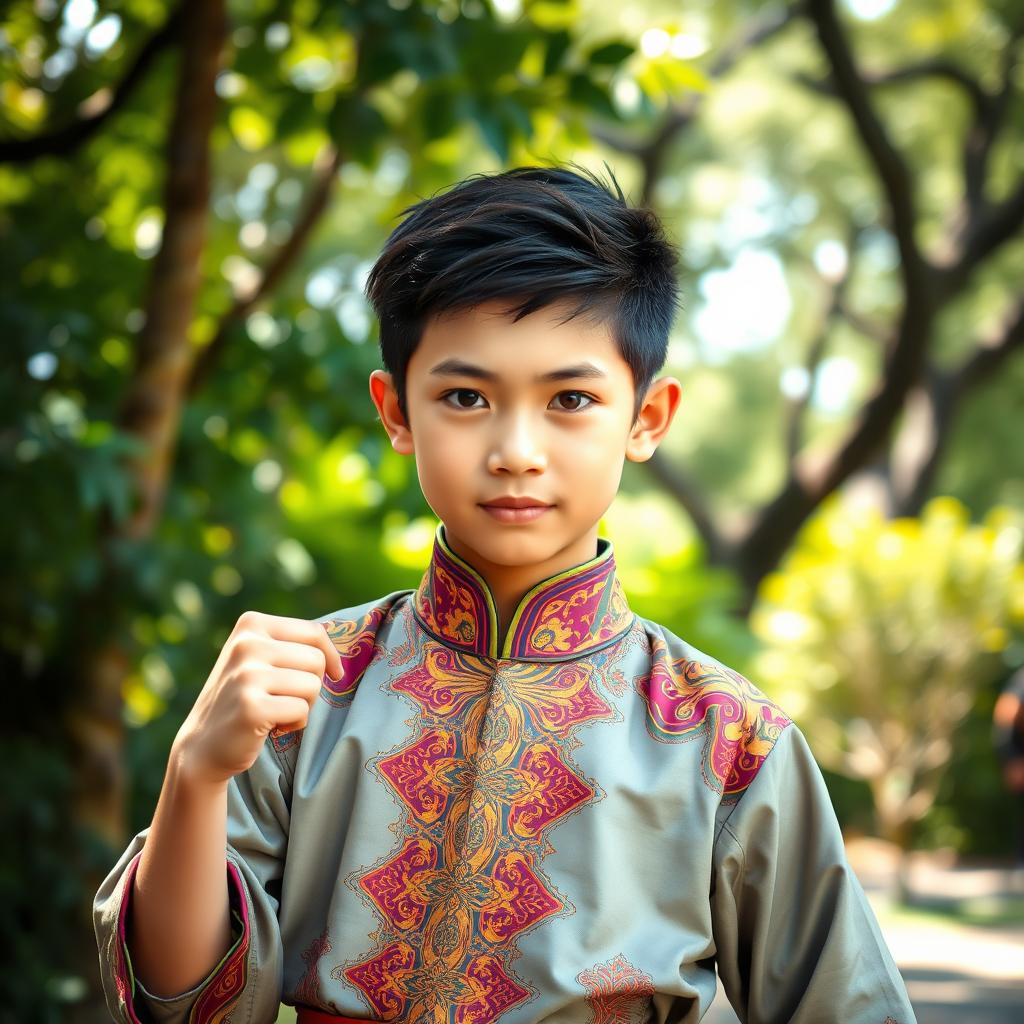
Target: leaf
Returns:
[[493, 131], [251, 128], [613, 53], [558, 46], [357, 128], [298, 115], [588, 93], [439, 116]]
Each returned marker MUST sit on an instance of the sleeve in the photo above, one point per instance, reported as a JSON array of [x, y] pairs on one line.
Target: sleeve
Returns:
[[248, 980], [796, 937]]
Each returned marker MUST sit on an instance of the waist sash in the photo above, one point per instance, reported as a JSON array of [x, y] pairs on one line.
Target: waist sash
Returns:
[[307, 1015]]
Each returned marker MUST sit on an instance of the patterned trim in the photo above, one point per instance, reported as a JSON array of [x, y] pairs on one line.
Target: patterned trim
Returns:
[[575, 612], [482, 782], [354, 640], [618, 992], [226, 982], [689, 700], [124, 978]]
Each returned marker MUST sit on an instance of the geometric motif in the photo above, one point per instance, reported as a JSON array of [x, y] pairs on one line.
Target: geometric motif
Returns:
[[486, 774]]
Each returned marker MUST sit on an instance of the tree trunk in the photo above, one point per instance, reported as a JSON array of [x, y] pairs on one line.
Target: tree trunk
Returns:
[[151, 412]]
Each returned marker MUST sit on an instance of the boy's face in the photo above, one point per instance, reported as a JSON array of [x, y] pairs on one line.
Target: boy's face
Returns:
[[534, 409]]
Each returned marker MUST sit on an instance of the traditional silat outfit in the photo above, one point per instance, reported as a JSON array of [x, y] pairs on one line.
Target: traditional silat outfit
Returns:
[[577, 828]]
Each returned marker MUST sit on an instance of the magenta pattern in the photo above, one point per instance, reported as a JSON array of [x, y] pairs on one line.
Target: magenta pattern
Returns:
[[582, 612], [693, 701], [481, 782], [223, 989]]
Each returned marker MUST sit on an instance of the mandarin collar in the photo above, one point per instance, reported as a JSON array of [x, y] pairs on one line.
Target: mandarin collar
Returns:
[[574, 612]]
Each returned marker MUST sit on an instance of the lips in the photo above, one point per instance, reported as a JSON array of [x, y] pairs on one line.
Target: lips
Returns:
[[508, 501], [515, 510]]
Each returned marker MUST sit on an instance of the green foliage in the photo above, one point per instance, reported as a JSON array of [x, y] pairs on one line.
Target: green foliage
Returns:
[[879, 635], [663, 568]]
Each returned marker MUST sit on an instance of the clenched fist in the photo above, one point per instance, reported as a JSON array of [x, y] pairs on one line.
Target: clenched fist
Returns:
[[266, 678]]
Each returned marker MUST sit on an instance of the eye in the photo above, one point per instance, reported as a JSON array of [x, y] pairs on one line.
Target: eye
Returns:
[[461, 393], [577, 398]]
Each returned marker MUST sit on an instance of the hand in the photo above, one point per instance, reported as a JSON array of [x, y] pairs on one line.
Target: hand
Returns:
[[266, 678]]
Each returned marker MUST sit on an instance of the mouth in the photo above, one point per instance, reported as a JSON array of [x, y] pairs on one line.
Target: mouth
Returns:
[[516, 510]]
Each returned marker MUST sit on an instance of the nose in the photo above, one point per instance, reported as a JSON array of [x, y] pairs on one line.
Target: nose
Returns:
[[517, 446]]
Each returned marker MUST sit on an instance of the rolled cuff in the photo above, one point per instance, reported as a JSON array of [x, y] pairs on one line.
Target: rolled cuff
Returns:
[[204, 1001]]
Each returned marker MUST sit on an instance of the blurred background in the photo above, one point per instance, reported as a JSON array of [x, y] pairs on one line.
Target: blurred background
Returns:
[[191, 197]]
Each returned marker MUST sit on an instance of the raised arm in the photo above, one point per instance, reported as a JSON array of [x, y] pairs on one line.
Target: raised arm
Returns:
[[180, 925], [188, 903]]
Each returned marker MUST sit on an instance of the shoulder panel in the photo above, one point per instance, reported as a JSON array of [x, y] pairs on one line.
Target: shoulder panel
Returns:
[[693, 698]]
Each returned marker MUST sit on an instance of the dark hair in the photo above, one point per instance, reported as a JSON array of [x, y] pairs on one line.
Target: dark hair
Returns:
[[538, 235]]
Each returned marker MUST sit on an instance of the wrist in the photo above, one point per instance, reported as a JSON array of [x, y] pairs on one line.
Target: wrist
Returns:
[[185, 769]]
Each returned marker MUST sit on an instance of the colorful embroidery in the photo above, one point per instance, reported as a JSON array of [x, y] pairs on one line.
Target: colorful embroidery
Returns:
[[307, 992], [689, 700], [354, 640], [222, 991], [618, 992], [575, 612], [485, 777]]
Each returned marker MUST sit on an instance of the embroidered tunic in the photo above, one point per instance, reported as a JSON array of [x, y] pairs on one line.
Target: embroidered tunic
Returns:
[[577, 828]]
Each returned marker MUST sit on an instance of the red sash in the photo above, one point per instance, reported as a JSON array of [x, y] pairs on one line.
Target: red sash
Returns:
[[307, 1015]]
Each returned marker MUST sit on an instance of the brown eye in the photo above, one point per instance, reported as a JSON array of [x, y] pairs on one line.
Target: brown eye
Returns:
[[460, 394], [577, 400]]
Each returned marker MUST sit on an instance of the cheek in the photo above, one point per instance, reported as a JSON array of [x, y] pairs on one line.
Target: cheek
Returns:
[[442, 457], [598, 446]]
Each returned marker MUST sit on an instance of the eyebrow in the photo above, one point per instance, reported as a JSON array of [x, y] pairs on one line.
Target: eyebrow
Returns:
[[460, 368]]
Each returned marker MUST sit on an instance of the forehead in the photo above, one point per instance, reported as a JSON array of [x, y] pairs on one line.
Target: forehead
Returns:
[[541, 342]]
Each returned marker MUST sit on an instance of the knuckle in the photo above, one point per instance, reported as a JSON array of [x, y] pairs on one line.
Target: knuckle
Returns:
[[248, 619], [245, 642]]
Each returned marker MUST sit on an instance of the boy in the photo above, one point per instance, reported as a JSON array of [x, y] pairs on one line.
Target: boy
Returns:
[[501, 796]]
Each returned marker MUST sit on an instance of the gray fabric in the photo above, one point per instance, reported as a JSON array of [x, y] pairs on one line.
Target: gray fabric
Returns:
[[569, 839]]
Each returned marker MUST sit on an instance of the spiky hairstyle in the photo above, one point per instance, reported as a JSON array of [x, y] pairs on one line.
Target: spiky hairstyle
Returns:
[[536, 235]]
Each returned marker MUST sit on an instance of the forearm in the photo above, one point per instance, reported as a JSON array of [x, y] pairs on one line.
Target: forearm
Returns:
[[181, 920]]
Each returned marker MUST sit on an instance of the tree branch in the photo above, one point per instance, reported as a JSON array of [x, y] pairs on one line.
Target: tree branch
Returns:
[[859, 322], [936, 67], [651, 152], [686, 492], [946, 392], [317, 201], [151, 409], [811, 478], [991, 228], [64, 141], [833, 307], [889, 164]]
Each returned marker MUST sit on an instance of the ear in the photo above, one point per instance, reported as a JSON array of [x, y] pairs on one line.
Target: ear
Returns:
[[385, 398], [655, 417]]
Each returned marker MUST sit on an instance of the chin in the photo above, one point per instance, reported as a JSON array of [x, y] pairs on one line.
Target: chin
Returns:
[[508, 546]]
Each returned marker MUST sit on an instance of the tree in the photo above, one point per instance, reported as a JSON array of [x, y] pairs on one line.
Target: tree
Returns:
[[127, 413], [878, 635], [948, 253]]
